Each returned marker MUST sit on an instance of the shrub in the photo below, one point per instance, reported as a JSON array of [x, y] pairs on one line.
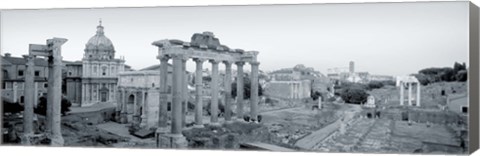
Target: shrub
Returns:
[[353, 94], [42, 106], [246, 88]]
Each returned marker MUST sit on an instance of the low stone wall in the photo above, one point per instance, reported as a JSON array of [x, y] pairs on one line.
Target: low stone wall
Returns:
[[94, 117], [441, 148], [421, 116], [228, 136]]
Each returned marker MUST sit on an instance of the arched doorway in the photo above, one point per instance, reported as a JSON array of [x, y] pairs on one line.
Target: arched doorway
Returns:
[[130, 104]]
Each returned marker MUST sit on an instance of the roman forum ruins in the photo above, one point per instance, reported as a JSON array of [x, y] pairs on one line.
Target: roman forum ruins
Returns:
[[203, 47], [52, 51]]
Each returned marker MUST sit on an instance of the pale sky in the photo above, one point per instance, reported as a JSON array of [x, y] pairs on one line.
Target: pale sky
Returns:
[[382, 38]]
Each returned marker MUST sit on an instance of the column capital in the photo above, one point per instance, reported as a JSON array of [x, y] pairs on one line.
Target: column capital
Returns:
[[227, 62], [163, 57], [29, 59], [254, 63], [55, 42], [199, 60], [214, 61], [179, 56], [240, 63]]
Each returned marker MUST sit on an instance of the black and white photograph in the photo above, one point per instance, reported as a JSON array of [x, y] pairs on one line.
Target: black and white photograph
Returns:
[[342, 78]]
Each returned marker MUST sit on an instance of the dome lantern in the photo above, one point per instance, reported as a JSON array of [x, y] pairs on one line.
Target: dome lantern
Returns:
[[99, 46]]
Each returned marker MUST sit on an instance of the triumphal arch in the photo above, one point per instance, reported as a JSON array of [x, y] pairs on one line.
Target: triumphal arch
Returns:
[[202, 48]]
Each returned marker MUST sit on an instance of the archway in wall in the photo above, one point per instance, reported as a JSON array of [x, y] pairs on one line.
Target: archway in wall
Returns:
[[104, 94], [130, 103]]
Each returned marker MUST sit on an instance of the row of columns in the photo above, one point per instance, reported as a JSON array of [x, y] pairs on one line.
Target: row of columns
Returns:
[[410, 96], [295, 90], [180, 91]]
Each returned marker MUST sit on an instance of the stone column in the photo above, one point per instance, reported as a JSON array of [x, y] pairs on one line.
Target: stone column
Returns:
[[98, 92], [410, 94], [143, 122], [35, 96], [55, 103], [254, 91], [214, 88], [14, 87], [291, 90], [418, 94], [184, 92], [402, 98], [50, 92], [228, 90], [199, 93], [177, 95], [163, 112], [240, 90], [29, 100], [320, 102], [118, 109], [83, 94], [124, 112]]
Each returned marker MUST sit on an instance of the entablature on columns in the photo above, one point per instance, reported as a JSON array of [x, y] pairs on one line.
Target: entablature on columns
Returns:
[[203, 50]]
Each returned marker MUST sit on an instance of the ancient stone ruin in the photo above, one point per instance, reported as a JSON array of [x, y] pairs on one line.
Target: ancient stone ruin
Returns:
[[203, 47], [52, 51]]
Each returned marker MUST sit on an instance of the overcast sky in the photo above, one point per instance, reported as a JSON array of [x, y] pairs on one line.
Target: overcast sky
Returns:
[[382, 38]]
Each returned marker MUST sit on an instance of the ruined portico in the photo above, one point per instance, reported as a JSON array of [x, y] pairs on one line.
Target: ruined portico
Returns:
[[52, 51], [409, 82], [202, 48]]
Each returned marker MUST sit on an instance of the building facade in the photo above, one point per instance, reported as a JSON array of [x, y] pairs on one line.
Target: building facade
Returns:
[[99, 70], [138, 93], [295, 83], [87, 82], [13, 78]]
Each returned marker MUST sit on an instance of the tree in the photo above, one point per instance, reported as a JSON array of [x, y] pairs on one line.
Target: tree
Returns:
[[422, 78], [9, 107], [246, 88], [462, 76], [375, 85], [459, 67], [42, 106], [448, 74], [354, 94], [315, 95]]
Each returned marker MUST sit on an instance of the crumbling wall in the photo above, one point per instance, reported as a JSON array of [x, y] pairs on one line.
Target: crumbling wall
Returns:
[[421, 116]]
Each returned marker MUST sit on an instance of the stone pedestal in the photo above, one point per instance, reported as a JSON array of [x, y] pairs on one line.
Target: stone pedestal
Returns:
[[123, 118], [143, 122], [57, 140], [169, 140]]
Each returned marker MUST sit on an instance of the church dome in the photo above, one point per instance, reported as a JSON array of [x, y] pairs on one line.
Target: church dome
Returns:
[[99, 46]]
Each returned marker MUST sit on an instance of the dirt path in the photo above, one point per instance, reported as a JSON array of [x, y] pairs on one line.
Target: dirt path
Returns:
[[310, 141]]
